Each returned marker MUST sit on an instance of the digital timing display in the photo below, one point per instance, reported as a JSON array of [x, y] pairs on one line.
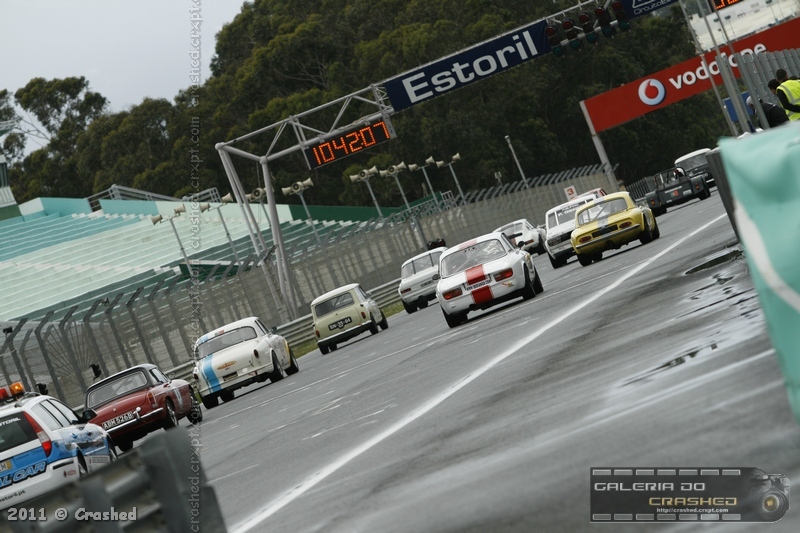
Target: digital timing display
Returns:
[[347, 143], [720, 4]]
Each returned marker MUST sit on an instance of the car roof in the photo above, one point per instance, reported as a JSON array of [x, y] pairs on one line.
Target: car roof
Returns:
[[578, 199], [249, 321], [143, 366], [17, 404], [423, 254], [334, 292], [495, 235], [692, 154], [518, 221], [606, 198]]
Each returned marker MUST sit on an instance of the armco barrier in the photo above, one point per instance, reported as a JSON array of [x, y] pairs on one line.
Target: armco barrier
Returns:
[[763, 170], [161, 482]]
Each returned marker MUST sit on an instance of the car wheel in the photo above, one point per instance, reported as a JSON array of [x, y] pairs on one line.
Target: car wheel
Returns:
[[538, 288], [656, 230], [584, 260], [125, 445], [226, 396], [555, 263], [210, 402], [597, 257], [527, 291], [454, 319], [410, 308], [373, 327], [277, 370], [333, 347], [423, 303], [294, 368], [172, 419], [645, 236], [196, 413], [323, 349], [384, 324]]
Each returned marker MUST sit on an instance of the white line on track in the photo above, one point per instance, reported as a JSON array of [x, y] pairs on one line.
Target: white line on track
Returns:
[[254, 520], [232, 474]]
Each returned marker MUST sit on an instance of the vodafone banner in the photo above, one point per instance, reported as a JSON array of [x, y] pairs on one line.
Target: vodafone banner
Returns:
[[683, 80]]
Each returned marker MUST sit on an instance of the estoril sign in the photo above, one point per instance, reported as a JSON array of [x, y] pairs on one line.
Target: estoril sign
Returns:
[[467, 66], [483, 60], [637, 98]]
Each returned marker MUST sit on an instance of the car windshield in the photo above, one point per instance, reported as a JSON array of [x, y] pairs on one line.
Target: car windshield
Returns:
[[14, 431], [602, 210], [224, 340], [565, 213], [332, 304], [511, 229], [114, 387], [420, 264], [692, 162], [471, 256]]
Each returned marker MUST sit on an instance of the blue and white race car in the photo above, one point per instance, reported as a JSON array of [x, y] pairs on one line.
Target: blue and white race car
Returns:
[[237, 355], [43, 445]]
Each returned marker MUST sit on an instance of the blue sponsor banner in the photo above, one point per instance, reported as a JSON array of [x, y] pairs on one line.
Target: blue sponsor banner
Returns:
[[468, 66]]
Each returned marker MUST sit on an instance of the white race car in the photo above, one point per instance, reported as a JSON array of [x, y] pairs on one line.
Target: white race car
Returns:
[[418, 279], [481, 273], [236, 355]]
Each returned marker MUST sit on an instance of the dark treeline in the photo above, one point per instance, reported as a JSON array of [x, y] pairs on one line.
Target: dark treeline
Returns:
[[283, 57]]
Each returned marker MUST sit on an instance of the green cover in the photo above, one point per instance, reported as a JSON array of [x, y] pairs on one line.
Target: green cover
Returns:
[[764, 175]]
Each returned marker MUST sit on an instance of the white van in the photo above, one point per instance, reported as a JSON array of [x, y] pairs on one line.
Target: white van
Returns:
[[559, 223]]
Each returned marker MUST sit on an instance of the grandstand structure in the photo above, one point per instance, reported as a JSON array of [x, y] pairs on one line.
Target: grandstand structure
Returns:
[[59, 253]]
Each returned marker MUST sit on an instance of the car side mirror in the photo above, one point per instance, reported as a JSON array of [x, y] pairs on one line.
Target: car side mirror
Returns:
[[520, 244], [274, 330], [88, 414], [436, 277]]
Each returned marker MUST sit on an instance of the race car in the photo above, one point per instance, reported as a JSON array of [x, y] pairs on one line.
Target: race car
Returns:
[[137, 401], [343, 313], [237, 355], [609, 223], [418, 277], [484, 272]]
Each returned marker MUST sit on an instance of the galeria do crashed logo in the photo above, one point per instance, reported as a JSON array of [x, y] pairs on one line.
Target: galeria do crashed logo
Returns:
[[652, 92]]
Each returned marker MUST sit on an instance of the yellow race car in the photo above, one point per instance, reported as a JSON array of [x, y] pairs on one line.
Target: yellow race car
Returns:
[[608, 223]]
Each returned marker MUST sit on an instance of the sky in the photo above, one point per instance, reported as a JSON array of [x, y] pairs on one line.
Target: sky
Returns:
[[126, 49]]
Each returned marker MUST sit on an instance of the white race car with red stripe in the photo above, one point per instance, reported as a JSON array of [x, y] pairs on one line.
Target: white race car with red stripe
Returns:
[[483, 272]]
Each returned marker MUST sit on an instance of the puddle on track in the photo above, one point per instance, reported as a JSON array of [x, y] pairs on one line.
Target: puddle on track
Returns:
[[720, 294]]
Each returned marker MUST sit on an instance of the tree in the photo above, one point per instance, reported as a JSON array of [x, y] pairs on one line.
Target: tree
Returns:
[[62, 109]]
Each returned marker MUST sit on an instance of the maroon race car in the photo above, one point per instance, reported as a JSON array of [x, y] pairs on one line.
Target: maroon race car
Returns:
[[140, 400]]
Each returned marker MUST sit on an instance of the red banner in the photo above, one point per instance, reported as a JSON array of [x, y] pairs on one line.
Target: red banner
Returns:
[[683, 80]]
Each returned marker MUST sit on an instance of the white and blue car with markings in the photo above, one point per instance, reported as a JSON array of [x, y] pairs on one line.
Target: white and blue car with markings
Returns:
[[237, 355], [44, 445]]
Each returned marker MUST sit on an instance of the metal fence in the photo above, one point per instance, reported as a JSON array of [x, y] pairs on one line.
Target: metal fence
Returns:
[[159, 324]]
